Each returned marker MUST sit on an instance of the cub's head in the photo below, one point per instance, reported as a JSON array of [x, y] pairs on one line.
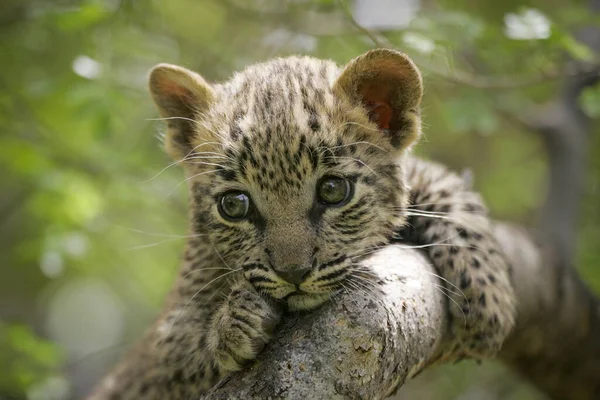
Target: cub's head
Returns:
[[293, 164]]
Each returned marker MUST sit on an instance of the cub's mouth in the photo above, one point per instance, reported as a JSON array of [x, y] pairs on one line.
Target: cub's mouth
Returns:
[[300, 301]]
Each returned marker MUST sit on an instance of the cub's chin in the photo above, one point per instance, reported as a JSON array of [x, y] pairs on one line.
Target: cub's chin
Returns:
[[306, 301]]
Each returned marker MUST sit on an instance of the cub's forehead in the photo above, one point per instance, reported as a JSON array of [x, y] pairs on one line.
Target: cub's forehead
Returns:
[[280, 73], [278, 123], [284, 95]]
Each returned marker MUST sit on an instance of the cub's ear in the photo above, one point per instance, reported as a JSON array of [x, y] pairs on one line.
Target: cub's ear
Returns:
[[181, 97], [388, 84]]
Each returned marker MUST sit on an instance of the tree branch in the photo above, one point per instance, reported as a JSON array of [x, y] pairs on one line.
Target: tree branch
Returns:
[[365, 346], [556, 343]]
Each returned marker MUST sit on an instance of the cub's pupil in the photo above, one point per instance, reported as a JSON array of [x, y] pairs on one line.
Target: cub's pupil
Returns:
[[333, 190], [235, 205]]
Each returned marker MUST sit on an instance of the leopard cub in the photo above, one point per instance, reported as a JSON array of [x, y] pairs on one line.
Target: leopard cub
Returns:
[[297, 170]]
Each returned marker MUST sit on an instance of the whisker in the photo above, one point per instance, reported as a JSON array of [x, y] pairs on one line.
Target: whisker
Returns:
[[440, 203], [369, 291], [355, 143], [355, 288], [358, 161], [424, 246], [361, 125], [455, 302], [451, 284], [199, 291], [219, 255], [146, 246], [191, 152], [366, 285], [187, 179], [207, 163], [169, 118], [411, 214], [162, 234], [205, 157], [193, 271], [447, 289], [425, 212]]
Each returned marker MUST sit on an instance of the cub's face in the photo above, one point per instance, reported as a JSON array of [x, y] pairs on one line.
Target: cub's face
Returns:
[[296, 212], [293, 177]]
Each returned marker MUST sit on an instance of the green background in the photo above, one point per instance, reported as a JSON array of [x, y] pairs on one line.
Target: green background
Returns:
[[90, 219]]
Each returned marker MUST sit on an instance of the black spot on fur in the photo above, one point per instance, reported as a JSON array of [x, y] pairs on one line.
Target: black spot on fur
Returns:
[[313, 123], [144, 388], [465, 281], [481, 300], [368, 180], [235, 132], [178, 376], [226, 173]]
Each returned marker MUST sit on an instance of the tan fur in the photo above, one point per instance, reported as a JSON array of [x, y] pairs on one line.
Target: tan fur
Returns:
[[272, 133]]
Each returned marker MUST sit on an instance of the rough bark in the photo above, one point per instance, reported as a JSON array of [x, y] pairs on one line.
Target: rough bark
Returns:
[[362, 346], [556, 344], [366, 346]]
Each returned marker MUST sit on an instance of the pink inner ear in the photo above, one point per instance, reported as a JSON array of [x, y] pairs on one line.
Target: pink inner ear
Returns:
[[375, 98], [174, 90], [380, 113], [384, 114]]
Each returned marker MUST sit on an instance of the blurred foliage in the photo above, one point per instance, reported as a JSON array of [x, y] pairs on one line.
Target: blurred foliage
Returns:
[[91, 221], [26, 359]]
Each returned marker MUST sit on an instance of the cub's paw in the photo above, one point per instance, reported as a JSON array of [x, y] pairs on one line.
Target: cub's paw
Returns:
[[482, 306], [240, 328]]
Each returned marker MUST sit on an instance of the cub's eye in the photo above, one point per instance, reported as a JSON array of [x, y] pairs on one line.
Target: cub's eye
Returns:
[[334, 191], [234, 206]]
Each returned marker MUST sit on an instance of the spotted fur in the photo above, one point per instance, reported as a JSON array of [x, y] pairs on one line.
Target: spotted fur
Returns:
[[273, 131]]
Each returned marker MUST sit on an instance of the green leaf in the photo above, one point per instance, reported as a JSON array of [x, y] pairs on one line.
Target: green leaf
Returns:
[[589, 101]]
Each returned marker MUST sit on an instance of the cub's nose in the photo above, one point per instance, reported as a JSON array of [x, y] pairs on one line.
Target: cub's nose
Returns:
[[294, 274]]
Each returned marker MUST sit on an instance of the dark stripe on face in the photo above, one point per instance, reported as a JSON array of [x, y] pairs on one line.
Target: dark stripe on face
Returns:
[[351, 231], [200, 190], [356, 210], [226, 174], [333, 275], [328, 285], [314, 159], [235, 130], [331, 263], [352, 240], [260, 279], [315, 213], [301, 148], [201, 219], [255, 266]]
